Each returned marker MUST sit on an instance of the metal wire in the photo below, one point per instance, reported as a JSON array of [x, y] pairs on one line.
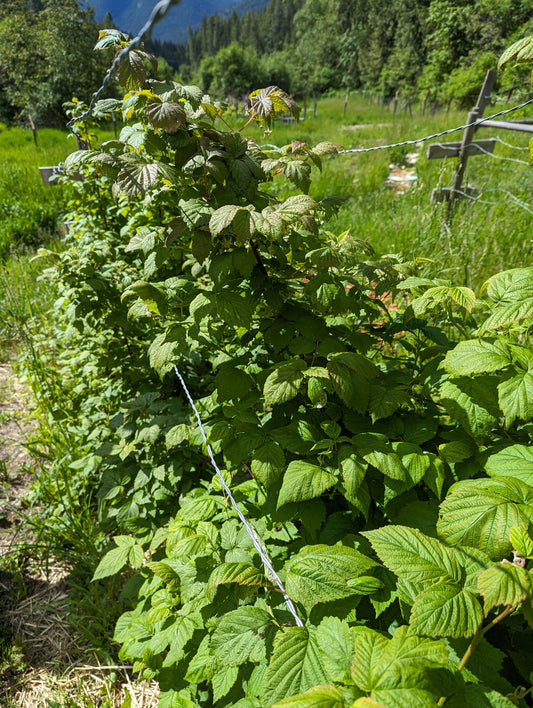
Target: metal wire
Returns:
[[437, 135], [159, 11], [513, 147], [252, 533]]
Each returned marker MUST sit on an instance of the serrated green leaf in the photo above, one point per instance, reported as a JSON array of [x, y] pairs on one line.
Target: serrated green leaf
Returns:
[[303, 481], [416, 558], [481, 512], [283, 383], [508, 315], [222, 218], [234, 308], [521, 541], [476, 356], [166, 115], [320, 573], [296, 664], [382, 664], [166, 349], [336, 641], [521, 51], [268, 463], [445, 610], [316, 697], [478, 697], [510, 285], [515, 396], [240, 636], [223, 681], [239, 573], [136, 178], [504, 585], [472, 402], [514, 461], [112, 563]]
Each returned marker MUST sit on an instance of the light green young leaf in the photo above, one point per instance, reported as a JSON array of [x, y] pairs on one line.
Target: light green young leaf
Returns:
[[481, 512], [445, 610], [513, 285], [283, 383], [521, 51], [476, 356], [320, 573], [302, 481], [296, 664], [316, 697], [240, 636], [521, 541], [504, 585]]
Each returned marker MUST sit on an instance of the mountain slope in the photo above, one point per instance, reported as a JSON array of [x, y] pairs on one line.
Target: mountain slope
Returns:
[[131, 15]]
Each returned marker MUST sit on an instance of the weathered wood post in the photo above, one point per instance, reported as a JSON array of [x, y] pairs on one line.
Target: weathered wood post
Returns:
[[474, 115]]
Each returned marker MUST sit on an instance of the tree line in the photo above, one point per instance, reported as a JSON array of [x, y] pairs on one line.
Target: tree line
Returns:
[[437, 48]]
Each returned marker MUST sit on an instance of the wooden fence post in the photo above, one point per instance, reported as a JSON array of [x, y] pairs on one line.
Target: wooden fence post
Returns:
[[474, 115]]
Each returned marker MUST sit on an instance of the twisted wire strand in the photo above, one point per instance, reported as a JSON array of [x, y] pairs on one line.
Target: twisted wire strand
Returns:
[[252, 533], [159, 11]]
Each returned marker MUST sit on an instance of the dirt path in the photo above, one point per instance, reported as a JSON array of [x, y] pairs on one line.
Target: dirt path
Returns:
[[41, 660]]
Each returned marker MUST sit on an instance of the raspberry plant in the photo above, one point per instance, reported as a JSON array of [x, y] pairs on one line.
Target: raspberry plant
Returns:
[[383, 454]]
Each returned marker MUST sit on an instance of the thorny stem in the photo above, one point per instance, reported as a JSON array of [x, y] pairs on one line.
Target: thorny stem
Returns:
[[258, 258], [478, 636]]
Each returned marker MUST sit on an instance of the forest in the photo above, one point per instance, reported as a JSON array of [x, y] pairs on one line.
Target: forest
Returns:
[[266, 403]]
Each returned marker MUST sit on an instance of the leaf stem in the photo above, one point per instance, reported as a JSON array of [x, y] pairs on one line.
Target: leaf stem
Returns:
[[258, 258]]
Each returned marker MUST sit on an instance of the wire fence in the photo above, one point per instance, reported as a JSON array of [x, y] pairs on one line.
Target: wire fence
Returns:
[[257, 541]]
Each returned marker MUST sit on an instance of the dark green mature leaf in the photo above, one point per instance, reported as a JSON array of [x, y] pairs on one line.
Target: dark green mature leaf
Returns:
[[316, 697], [223, 680], [504, 585], [481, 512], [478, 697], [112, 563], [284, 382], [152, 296], [445, 610], [133, 72], [514, 461], [136, 178], [472, 402], [320, 573], [239, 636], [303, 481], [239, 573], [222, 218], [268, 463], [166, 115], [296, 664], [476, 356], [234, 308]]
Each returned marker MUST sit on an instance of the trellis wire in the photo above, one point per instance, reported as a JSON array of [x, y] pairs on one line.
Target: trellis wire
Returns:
[[486, 152], [254, 536], [159, 11], [509, 145]]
